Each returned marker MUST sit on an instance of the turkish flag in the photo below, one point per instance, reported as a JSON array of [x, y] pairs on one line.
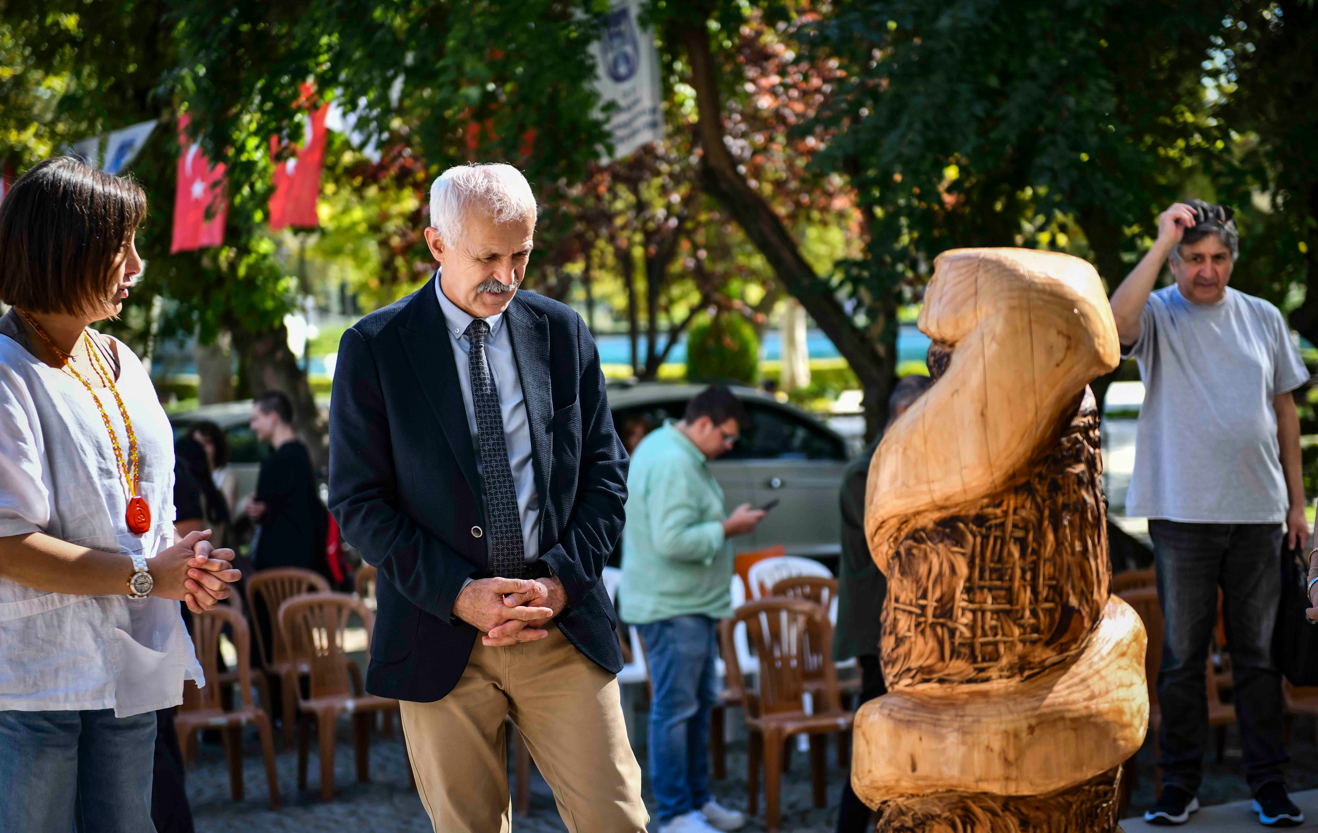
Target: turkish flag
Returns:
[[297, 179], [200, 186]]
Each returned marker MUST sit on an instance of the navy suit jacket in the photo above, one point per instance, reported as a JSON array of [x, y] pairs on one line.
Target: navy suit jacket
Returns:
[[405, 490]]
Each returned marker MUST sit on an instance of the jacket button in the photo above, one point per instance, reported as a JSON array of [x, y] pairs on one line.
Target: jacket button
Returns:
[[476, 532]]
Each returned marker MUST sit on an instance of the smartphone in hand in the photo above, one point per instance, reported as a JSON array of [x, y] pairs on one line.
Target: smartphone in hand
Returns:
[[766, 507]]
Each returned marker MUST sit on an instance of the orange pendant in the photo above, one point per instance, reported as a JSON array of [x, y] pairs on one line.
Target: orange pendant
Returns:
[[139, 516]]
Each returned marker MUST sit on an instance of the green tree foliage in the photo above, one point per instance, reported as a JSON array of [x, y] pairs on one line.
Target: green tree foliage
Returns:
[[723, 348]]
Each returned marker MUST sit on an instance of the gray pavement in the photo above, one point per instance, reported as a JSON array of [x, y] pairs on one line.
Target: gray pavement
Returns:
[[387, 803]]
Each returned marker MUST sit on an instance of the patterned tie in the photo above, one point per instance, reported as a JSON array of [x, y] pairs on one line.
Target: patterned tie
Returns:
[[507, 552]]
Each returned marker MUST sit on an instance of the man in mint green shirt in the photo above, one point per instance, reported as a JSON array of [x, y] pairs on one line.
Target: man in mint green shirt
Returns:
[[676, 572]]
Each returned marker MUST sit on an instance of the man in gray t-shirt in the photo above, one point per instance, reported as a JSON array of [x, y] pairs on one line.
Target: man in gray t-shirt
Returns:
[[1217, 473]]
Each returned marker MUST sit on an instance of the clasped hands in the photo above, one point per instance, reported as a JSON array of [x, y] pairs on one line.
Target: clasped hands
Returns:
[[510, 610]]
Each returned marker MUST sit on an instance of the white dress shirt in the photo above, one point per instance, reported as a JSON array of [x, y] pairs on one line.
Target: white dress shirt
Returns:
[[502, 364], [61, 652]]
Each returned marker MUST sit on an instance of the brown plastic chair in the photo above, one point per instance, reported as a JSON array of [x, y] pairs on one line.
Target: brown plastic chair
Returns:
[[783, 633], [364, 582], [822, 591], [1131, 579], [1299, 700], [314, 626], [204, 709], [272, 588]]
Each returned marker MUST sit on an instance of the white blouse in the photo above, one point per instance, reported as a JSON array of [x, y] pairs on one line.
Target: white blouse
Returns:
[[58, 475]]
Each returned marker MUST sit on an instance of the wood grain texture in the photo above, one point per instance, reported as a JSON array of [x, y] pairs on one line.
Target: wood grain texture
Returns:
[[1046, 734], [1090, 807], [1008, 587], [1029, 330], [1016, 684]]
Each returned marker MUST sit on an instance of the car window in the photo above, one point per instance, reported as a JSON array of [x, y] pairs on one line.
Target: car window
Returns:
[[775, 433], [778, 434]]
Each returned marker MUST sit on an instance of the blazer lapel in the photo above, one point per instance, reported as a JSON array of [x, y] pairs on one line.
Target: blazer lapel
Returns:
[[431, 354], [530, 334]]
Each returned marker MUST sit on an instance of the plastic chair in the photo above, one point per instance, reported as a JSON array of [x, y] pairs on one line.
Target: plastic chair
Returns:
[[267, 591], [823, 592], [363, 584], [764, 574], [203, 708], [313, 625], [1131, 579], [634, 671], [742, 562], [784, 633]]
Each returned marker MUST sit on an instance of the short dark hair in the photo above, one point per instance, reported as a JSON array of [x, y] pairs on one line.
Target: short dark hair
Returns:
[[63, 226], [1212, 221], [214, 435], [905, 392], [719, 404], [276, 402]]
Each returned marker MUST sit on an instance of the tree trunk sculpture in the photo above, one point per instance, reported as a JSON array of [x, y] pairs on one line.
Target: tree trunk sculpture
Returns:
[[1016, 684]]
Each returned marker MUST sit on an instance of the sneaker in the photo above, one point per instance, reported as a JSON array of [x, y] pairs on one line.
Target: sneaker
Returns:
[[1275, 808], [692, 822], [1174, 806], [721, 818]]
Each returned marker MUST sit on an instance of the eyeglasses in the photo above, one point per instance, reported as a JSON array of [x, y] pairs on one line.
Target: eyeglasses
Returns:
[[729, 440]]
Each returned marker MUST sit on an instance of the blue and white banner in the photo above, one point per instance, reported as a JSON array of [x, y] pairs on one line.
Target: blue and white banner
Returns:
[[121, 148], [627, 73]]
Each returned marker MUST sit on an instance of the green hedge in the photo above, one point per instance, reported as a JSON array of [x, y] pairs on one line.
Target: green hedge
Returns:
[[724, 348]]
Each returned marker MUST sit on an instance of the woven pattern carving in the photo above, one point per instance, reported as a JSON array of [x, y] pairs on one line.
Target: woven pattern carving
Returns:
[[1011, 589]]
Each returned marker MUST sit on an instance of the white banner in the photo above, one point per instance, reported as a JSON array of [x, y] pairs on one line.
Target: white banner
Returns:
[[627, 72]]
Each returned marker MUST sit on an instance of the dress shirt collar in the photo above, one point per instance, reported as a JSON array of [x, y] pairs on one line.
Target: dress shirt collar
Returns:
[[455, 319], [683, 442]]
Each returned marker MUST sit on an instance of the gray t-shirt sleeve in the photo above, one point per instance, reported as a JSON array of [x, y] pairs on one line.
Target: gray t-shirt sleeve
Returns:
[[1289, 371], [1148, 335]]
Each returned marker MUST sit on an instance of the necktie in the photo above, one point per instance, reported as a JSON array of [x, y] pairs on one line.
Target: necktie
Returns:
[[504, 522]]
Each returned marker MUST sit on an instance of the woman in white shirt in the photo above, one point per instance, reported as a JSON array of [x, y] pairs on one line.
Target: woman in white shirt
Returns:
[[91, 637]]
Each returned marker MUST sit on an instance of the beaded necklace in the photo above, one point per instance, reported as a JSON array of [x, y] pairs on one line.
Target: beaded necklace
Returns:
[[138, 515]]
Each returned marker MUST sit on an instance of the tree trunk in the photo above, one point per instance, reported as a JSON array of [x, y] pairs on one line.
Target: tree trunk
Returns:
[[870, 351], [623, 254], [269, 364], [214, 371]]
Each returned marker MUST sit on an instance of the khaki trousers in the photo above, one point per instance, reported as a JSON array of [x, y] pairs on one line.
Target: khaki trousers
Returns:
[[570, 713]]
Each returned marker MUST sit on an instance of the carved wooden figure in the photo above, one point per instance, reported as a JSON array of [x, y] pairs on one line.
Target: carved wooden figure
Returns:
[[1016, 684]]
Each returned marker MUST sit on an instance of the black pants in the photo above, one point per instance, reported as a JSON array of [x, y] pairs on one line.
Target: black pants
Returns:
[[1192, 561], [853, 815], [169, 801]]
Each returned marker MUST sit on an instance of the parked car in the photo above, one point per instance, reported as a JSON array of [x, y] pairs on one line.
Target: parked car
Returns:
[[787, 455]]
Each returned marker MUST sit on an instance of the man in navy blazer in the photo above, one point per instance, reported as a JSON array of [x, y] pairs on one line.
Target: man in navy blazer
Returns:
[[474, 462]]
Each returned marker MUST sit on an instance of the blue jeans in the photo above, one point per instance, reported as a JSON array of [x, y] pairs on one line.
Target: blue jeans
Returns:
[[680, 653], [1192, 560], [76, 770]]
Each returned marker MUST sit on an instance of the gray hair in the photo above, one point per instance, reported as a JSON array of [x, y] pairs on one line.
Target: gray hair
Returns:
[[499, 190], [1214, 221]]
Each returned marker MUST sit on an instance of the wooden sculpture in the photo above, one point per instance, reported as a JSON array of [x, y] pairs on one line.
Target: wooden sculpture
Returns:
[[1016, 684]]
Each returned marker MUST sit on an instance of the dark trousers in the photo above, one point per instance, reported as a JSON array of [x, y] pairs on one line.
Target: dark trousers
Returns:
[[1192, 561], [169, 800], [854, 816]]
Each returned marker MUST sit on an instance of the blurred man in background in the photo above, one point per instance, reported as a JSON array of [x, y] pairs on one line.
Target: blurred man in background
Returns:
[[861, 591], [676, 577]]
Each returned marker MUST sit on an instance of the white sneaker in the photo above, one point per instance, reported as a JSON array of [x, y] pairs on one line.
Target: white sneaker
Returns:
[[721, 818], [692, 822]]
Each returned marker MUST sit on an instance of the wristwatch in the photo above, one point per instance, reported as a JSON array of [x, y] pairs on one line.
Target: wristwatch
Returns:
[[140, 583]]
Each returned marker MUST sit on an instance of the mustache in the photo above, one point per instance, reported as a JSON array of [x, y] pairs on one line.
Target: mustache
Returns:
[[494, 287]]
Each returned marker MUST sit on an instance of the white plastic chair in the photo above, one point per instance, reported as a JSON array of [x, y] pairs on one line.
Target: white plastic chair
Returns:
[[767, 572], [634, 671]]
